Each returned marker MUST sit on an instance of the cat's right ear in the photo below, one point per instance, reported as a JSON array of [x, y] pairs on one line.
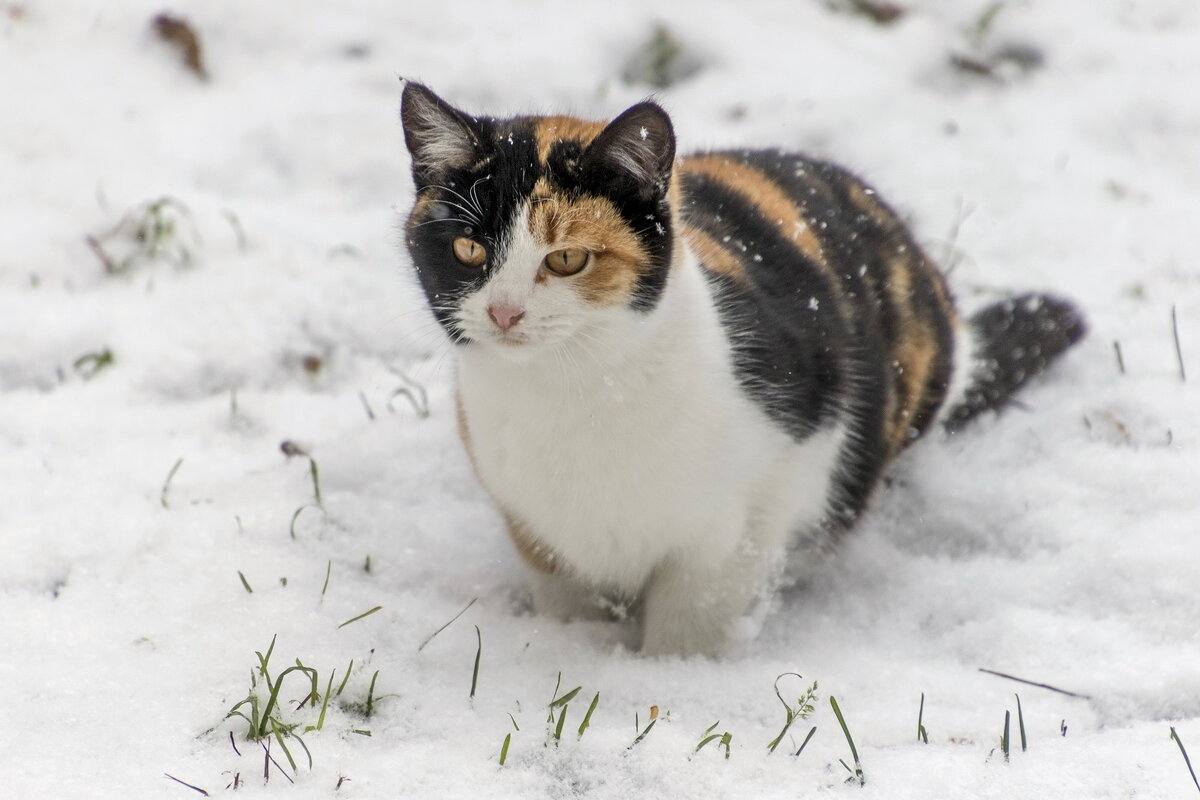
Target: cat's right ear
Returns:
[[439, 136]]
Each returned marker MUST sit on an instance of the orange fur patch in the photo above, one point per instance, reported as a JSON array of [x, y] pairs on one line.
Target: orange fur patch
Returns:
[[915, 354], [532, 551], [551, 130], [713, 256], [594, 224], [772, 201]]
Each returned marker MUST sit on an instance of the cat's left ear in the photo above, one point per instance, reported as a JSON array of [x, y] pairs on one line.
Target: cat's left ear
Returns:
[[439, 136], [634, 153]]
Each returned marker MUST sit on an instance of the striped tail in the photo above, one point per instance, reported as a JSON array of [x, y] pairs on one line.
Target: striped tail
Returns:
[[1007, 344]]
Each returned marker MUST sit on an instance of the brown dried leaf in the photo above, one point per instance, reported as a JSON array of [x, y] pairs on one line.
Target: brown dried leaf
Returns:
[[179, 33]]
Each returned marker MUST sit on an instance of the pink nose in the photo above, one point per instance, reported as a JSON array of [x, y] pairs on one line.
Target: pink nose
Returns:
[[505, 316]]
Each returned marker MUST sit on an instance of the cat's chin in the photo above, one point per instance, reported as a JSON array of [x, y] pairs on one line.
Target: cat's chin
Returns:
[[520, 351]]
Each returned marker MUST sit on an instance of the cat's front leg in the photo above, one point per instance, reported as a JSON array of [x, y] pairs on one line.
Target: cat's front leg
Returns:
[[690, 605], [565, 598]]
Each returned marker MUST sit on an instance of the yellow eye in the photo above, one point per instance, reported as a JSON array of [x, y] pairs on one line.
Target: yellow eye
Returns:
[[469, 251], [568, 261]]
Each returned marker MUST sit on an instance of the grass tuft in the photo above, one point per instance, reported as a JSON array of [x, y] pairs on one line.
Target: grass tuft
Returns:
[[559, 702], [88, 365], [805, 705], [881, 12], [662, 61], [645, 731], [722, 739], [414, 392], [159, 230]]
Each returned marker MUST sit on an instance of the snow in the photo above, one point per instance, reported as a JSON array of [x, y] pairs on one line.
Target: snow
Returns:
[[1056, 542]]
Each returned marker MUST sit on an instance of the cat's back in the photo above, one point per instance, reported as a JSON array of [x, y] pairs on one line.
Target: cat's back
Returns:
[[834, 302]]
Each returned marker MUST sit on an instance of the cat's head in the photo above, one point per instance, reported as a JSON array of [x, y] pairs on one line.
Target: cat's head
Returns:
[[532, 231]]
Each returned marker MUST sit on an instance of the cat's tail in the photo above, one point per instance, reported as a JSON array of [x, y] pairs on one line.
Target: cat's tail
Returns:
[[1002, 347]]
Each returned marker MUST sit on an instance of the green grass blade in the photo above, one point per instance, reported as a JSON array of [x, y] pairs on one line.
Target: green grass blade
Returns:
[[328, 570], [1021, 724], [286, 752], [922, 734], [566, 698], [316, 479], [587, 718], [643, 734], [858, 771], [245, 583], [273, 699], [504, 748], [303, 747], [478, 653], [167, 483], [557, 683], [1186, 760], [804, 744], [562, 718], [431, 636], [296, 515], [346, 678], [360, 616], [371, 695], [325, 701], [1004, 736], [188, 785], [264, 660]]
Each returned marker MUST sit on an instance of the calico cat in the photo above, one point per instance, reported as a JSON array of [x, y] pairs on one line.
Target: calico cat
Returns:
[[678, 378]]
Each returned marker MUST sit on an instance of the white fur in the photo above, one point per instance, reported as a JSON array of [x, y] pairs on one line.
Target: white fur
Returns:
[[962, 370], [624, 443], [444, 141]]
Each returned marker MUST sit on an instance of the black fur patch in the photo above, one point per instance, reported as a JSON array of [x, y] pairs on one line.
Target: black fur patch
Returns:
[[1016, 340]]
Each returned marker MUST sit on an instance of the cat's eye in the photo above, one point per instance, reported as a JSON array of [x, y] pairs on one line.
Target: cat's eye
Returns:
[[469, 251], [567, 261]]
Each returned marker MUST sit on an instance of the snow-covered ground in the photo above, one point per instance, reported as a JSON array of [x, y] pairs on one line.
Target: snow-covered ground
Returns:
[[1059, 542]]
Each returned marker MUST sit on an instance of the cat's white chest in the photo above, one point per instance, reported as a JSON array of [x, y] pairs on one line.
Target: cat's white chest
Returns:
[[610, 477]]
